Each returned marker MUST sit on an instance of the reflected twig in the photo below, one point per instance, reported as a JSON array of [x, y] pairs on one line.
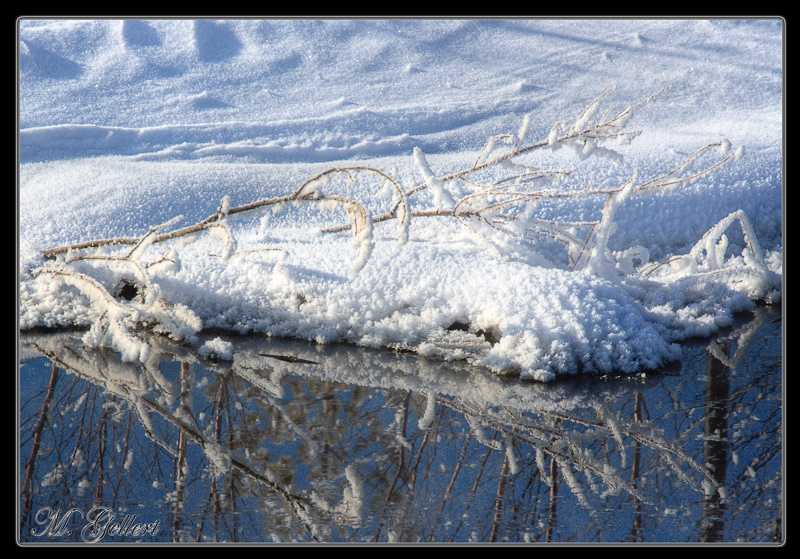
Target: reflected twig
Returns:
[[37, 439], [422, 442]]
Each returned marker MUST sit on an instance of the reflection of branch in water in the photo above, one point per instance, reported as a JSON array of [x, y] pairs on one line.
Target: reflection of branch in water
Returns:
[[551, 434], [180, 462], [550, 440], [98, 499], [716, 446], [221, 459], [502, 482], [37, 439], [288, 358], [214, 502], [552, 514], [636, 531], [743, 337], [556, 438], [456, 470], [475, 484], [428, 440]]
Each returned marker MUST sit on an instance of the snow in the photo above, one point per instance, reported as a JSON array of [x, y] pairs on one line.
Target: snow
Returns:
[[125, 125], [217, 349]]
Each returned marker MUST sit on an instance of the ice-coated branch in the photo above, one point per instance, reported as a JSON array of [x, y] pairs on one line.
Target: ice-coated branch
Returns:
[[124, 303], [507, 205], [486, 203]]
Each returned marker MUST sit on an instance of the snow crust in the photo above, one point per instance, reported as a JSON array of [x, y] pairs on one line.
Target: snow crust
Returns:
[[126, 124]]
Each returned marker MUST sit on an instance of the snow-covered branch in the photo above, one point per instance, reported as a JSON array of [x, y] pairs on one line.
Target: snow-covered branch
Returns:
[[499, 196]]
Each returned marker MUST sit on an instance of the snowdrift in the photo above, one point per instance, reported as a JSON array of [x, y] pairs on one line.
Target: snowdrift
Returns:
[[473, 190]]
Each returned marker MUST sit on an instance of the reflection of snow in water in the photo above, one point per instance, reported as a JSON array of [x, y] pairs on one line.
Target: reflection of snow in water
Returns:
[[328, 400]]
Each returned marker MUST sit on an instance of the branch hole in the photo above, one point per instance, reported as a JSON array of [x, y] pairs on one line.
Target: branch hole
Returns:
[[128, 290]]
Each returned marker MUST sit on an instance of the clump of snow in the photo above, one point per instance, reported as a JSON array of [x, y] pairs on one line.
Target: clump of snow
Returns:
[[126, 124], [217, 349]]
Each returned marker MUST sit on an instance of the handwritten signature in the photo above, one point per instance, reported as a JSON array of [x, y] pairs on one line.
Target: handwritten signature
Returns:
[[100, 523]]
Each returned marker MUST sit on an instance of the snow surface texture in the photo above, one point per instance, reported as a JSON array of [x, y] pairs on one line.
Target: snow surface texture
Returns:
[[125, 125]]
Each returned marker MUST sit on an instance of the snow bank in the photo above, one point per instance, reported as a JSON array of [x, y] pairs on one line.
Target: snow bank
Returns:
[[125, 125]]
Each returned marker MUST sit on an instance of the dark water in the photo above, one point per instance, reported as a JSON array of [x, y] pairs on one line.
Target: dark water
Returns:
[[294, 442]]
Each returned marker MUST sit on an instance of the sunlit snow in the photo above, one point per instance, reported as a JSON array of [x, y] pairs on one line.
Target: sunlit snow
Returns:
[[126, 125]]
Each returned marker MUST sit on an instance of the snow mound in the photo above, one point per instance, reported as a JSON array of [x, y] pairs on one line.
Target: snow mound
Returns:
[[461, 189]]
